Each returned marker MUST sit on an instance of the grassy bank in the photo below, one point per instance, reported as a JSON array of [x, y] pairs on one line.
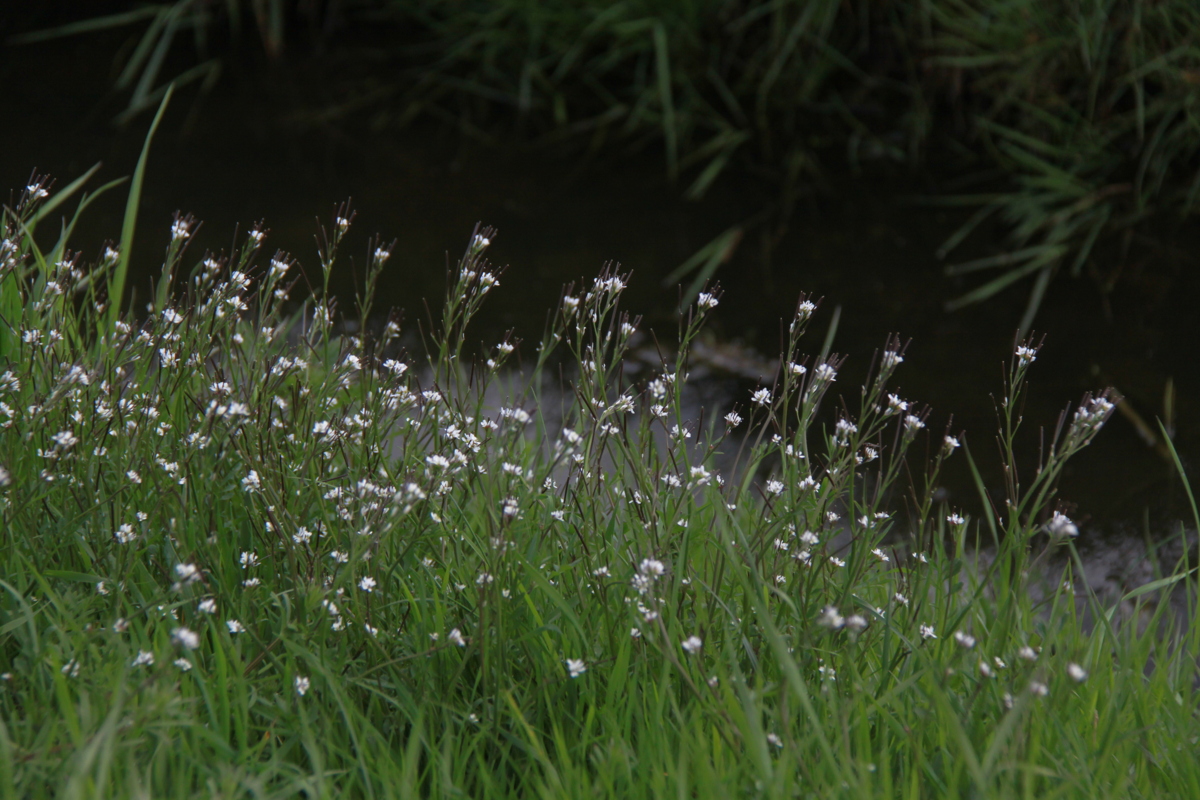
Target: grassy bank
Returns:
[[1066, 125], [245, 555]]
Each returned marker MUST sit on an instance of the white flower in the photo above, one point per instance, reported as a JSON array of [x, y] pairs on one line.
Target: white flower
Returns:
[[692, 644], [651, 566], [183, 664], [576, 667], [144, 659], [367, 584], [1039, 689], [1027, 653], [455, 636], [1077, 673], [207, 606], [252, 483], [64, 440], [1026, 355], [774, 487], [927, 632], [1061, 527], [966, 640], [830, 618], [706, 300], [732, 419], [187, 573], [302, 683], [235, 626], [762, 397], [186, 638], [856, 623]]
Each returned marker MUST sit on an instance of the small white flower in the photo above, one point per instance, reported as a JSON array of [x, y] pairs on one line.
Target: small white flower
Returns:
[[1061, 527], [64, 440], [302, 683], [733, 419], [144, 659], [1027, 653], [692, 644], [455, 636], [706, 300], [775, 487], [576, 667], [1077, 673], [927, 632], [183, 664], [207, 606], [966, 640], [830, 618], [367, 584], [1039, 689], [762, 397], [1026, 355], [235, 626], [185, 638], [187, 573]]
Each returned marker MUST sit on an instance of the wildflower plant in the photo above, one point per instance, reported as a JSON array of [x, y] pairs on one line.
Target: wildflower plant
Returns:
[[247, 545]]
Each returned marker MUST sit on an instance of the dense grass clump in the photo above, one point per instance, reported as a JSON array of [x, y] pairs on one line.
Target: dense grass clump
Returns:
[[246, 553]]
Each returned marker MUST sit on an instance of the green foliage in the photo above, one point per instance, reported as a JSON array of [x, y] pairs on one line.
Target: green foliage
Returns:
[[242, 554]]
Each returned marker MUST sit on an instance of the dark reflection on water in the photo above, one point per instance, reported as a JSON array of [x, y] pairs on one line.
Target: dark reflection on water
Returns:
[[233, 160]]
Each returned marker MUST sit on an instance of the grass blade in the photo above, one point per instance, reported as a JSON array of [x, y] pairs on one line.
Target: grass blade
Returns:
[[116, 285]]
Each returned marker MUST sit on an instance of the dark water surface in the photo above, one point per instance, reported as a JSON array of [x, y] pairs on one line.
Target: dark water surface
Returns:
[[250, 152]]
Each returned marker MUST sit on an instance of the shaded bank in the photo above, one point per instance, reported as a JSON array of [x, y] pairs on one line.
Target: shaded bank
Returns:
[[233, 159]]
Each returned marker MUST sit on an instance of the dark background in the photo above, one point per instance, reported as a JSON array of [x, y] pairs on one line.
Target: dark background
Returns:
[[261, 146]]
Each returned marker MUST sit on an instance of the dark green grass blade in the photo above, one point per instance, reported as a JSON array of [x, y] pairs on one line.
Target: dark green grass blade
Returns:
[[116, 286]]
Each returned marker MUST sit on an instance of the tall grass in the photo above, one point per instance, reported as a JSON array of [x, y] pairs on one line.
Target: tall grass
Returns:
[[243, 553]]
